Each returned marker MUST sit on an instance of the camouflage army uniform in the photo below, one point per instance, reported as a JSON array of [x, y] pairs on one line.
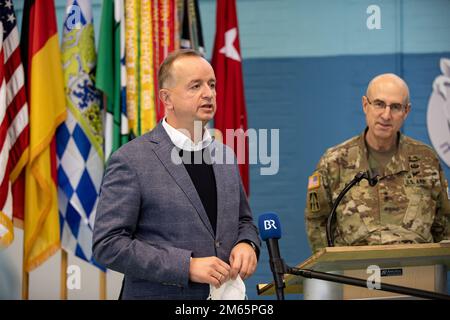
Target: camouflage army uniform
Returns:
[[408, 205]]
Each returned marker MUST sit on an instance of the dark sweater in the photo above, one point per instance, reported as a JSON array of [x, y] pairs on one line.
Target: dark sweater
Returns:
[[202, 176]]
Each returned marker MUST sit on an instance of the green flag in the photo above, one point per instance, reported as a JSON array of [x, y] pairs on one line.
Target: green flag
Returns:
[[111, 74]]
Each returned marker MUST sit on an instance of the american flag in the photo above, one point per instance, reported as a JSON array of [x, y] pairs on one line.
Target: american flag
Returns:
[[314, 181], [14, 124]]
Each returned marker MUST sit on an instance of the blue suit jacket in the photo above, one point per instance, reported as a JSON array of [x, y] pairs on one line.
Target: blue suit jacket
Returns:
[[150, 219]]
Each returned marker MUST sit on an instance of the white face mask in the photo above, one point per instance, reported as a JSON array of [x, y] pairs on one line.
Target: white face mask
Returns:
[[230, 290]]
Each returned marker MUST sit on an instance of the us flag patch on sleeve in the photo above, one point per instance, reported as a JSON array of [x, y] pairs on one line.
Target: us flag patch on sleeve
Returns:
[[314, 181]]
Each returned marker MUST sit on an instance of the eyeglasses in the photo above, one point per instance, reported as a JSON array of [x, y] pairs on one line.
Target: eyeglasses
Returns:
[[396, 108]]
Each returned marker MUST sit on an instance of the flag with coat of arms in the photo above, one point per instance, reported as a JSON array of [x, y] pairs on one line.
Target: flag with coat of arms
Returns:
[[80, 137]]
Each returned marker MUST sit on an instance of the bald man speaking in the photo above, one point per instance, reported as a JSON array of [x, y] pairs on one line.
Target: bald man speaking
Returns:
[[410, 202]]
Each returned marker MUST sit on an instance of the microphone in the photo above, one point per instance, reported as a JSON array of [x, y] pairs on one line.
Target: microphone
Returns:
[[270, 231], [371, 177]]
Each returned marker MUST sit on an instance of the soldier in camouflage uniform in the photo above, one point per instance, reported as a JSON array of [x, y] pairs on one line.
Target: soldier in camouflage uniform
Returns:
[[410, 202]]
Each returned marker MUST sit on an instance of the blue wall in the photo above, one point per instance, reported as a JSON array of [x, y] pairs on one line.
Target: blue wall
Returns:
[[306, 65]]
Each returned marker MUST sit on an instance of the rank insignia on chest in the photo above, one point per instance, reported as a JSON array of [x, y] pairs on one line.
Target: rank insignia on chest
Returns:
[[314, 181], [414, 181]]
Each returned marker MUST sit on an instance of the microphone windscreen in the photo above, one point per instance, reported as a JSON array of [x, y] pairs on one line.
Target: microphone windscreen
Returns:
[[374, 175], [269, 226]]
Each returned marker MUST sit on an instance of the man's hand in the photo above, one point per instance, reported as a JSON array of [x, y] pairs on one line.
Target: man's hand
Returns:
[[209, 270], [243, 261]]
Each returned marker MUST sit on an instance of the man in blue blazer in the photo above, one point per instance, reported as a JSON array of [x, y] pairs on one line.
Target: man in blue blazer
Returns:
[[173, 216]]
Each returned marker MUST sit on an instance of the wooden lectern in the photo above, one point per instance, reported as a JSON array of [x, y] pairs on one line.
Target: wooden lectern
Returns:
[[419, 266]]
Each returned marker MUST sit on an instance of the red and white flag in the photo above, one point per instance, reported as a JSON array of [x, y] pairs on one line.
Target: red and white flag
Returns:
[[14, 124], [227, 63]]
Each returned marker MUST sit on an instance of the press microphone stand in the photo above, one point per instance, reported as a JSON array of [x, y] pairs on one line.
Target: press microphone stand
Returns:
[[311, 274], [278, 268], [358, 177], [282, 269]]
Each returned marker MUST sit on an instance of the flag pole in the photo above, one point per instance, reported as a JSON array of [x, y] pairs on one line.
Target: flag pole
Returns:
[[25, 284], [102, 293], [25, 275], [63, 284], [176, 27]]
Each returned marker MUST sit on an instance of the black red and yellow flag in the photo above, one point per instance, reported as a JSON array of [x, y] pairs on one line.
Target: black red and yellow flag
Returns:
[[45, 90]]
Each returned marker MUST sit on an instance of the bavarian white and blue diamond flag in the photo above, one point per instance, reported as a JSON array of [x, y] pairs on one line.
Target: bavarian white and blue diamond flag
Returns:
[[80, 137]]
